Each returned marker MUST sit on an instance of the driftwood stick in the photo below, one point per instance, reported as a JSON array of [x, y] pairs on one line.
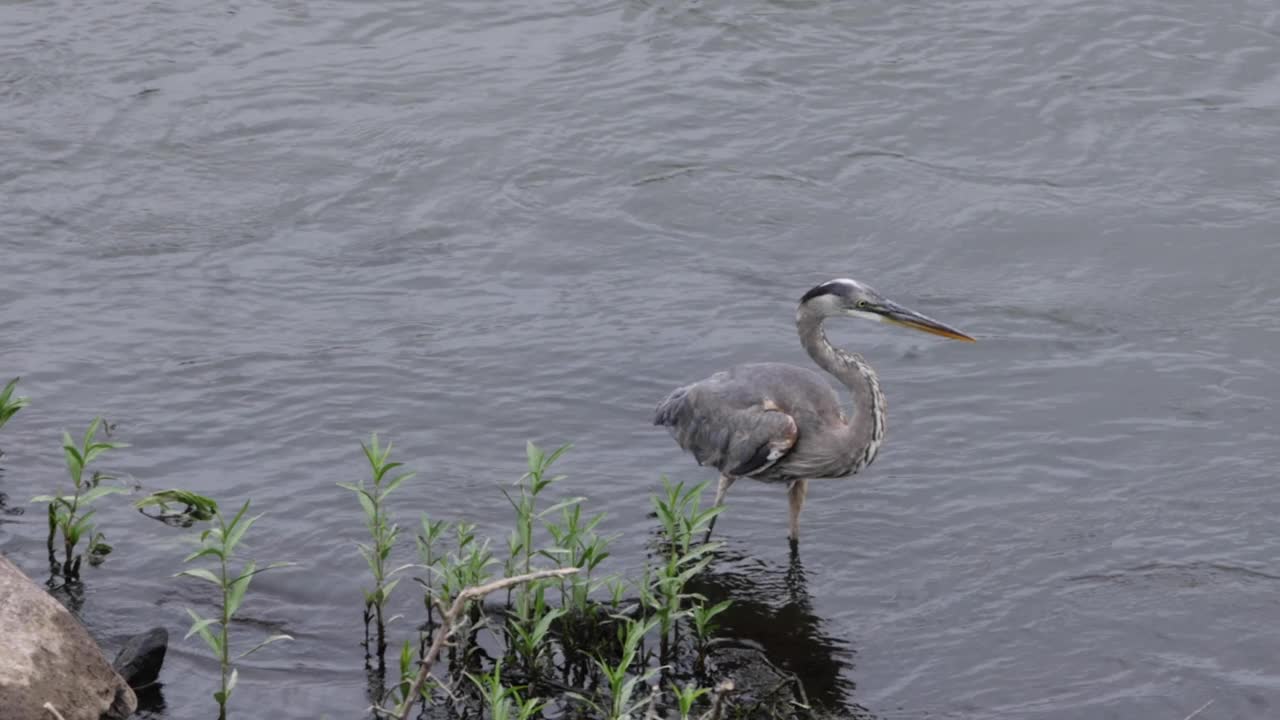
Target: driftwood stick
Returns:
[[450, 621]]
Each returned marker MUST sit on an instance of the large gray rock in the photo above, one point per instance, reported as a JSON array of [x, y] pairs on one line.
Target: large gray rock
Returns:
[[46, 656]]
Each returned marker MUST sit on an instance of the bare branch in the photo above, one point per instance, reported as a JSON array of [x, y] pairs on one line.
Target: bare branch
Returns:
[[54, 710], [450, 621]]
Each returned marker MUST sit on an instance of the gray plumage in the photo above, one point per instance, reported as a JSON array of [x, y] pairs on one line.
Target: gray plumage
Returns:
[[779, 423]]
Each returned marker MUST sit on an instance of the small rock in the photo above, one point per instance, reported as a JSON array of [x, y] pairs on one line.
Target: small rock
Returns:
[[46, 656], [139, 661]]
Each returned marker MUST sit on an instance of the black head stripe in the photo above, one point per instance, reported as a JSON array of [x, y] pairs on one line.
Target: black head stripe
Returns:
[[840, 289]]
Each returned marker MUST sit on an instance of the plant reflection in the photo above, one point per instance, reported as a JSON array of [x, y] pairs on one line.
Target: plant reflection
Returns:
[[772, 631]]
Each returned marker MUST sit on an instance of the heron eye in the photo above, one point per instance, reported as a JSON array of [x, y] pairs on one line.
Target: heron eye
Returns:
[[862, 303]]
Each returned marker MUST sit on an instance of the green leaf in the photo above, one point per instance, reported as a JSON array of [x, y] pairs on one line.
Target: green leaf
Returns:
[[93, 430], [558, 452], [366, 502], [96, 449], [9, 405], [239, 587], [69, 444], [83, 523], [211, 550], [93, 494], [8, 391], [236, 520], [534, 455], [198, 626], [237, 532], [406, 658], [198, 507], [562, 504], [74, 533], [264, 643], [387, 588], [210, 639], [540, 630], [202, 574], [367, 553], [395, 483], [99, 547], [75, 463]]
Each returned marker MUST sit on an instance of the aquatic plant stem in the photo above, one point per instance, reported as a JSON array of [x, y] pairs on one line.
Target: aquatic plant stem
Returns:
[[449, 623], [225, 659]]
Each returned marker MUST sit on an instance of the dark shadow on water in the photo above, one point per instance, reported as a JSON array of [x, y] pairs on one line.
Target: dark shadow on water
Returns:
[[68, 592], [375, 681], [6, 509], [772, 623]]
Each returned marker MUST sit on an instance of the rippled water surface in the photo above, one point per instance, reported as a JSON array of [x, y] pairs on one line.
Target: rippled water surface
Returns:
[[250, 233]]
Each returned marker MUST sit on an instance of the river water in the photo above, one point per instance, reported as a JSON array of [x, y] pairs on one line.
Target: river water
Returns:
[[250, 233]]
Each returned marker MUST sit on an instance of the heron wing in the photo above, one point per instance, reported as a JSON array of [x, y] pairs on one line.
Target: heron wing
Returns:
[[730, 423]]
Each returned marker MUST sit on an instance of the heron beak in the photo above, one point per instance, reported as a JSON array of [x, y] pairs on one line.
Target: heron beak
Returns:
[[898, 315]]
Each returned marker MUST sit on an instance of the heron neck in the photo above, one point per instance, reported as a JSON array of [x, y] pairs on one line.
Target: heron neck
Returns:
[[867, 424]]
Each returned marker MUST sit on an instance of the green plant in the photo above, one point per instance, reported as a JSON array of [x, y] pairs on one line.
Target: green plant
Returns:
[[530, 622], [504, 703], [591, 649], [70, 514], [467, 566], [399, 692], [577, 545], [373, 500], [682, 516], [194, 507], [618, 675], [686, 696], [704, 617], [520, 544], [10, 405], [664, 591], [427, 540], [529, 635], [220, 542], [450, 622]]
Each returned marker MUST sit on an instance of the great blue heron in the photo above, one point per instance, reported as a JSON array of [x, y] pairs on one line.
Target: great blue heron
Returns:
[[779, 423]]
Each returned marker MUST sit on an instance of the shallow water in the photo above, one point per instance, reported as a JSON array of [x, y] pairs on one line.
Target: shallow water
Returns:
[[250, 233]]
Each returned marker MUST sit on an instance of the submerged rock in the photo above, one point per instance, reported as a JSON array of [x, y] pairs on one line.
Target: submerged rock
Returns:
[[139, 661], [47, 656]]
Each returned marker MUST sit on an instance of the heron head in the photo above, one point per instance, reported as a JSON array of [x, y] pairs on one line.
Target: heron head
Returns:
[[844, 296]]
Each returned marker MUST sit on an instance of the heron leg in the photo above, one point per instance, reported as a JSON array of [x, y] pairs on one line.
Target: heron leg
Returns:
[[721, 490], [795, 493]]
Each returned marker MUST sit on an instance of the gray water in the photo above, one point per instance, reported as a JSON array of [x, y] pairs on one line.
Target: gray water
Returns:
[[251, 233]]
